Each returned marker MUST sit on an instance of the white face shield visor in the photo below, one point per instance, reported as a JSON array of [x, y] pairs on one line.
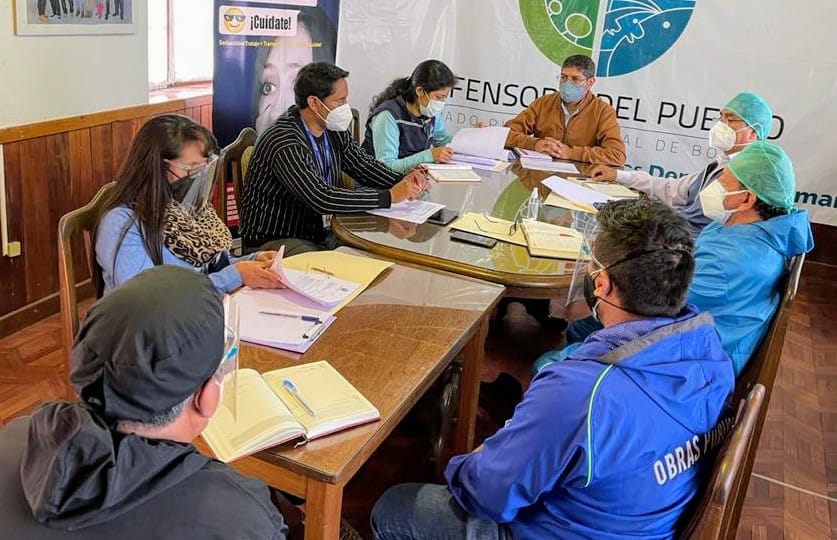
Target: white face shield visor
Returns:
[[194, 187], [227, 373], [587, 224]]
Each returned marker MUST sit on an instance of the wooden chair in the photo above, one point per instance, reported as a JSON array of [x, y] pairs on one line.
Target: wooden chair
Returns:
[[81, 220], [718, 511], [232, 166]]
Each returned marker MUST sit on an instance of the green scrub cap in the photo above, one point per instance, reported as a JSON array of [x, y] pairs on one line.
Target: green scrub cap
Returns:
[[766, 170], [753, 110]]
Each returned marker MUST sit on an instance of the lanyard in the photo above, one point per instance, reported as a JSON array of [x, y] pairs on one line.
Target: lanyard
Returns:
[[323, 162]]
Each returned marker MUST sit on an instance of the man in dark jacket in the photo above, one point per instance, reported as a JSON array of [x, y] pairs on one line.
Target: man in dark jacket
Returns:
[[118, 462]]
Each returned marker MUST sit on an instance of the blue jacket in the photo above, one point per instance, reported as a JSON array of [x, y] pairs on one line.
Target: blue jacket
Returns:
[[608, 443], [738, 271], [121, 254]]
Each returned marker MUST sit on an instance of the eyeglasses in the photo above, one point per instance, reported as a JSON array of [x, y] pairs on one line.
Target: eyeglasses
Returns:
[[575, 79], [512, 228], [189, 168]]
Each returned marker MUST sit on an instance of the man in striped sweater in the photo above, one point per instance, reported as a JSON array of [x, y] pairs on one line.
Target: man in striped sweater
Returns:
[[291, 189]]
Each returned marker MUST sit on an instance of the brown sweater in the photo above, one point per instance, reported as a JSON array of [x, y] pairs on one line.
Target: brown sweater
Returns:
[[592, 132]]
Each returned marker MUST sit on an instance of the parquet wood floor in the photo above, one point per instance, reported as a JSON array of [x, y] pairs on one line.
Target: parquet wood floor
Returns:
[[798, 446]]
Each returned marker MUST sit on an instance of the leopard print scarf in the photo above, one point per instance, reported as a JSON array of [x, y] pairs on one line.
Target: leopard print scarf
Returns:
[[195, 238]]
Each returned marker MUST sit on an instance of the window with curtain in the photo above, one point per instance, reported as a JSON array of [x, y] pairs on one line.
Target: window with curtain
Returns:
[[179, 42]]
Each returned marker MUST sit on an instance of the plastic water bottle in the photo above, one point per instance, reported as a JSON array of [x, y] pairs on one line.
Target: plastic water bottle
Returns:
[[533, 205]]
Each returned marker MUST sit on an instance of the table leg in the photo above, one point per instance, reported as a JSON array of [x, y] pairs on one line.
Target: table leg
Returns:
[[469, 389], [322, 511]]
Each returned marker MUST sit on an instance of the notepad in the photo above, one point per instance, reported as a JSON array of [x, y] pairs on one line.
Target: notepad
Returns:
[[267, 414], [553, 241], [453, 173], [552, 166], [281, 332]]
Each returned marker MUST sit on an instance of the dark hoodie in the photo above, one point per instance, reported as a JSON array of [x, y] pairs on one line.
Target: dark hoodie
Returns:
[[85, 481], [65, 472]]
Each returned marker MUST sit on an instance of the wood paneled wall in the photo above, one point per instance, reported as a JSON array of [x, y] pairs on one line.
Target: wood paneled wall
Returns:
[[50, 169]]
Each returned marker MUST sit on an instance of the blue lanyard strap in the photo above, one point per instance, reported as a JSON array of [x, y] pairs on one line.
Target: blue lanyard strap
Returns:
[[323, 162]]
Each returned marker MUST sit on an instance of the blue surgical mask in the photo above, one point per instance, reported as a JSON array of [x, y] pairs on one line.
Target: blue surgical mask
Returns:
[[571, 93]]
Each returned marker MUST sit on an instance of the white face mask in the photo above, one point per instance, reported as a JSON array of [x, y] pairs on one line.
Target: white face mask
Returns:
[[433, 107], [712, 202], [339, 118], [722, 137]]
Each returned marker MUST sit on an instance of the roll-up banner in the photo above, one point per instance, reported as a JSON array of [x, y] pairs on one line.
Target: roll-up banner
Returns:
[[259, 48]]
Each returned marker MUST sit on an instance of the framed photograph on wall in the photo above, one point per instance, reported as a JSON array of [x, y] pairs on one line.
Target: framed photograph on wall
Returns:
[[74, 17]]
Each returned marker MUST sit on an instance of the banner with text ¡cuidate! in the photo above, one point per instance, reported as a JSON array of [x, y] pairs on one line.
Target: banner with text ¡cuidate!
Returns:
[[667, 67], [259, 48]]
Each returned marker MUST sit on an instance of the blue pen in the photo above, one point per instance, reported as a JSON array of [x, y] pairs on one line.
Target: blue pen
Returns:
[[306, 318], [289, 386]]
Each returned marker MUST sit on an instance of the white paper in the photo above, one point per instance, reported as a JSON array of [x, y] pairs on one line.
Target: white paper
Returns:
[[487, 142], [416, 211], [317, 285], [275, 330], [575, 192], [553, 166], [615, 190], [532, 154], [448, 166]]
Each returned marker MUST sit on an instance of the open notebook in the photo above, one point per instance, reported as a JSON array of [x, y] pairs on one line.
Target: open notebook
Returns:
[[548, 240], [268, 414]]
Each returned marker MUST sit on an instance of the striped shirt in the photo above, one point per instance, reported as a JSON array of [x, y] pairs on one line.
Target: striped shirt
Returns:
[[286, 193]]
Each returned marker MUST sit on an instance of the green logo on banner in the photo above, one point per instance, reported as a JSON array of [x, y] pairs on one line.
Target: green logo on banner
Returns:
[[626, 34], [572, 20]]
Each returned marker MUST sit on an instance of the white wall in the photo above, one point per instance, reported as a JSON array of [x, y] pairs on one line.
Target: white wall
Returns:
[[46, 77]]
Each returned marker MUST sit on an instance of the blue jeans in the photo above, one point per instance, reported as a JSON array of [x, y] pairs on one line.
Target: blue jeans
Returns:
[[578, 330], [428, 511]]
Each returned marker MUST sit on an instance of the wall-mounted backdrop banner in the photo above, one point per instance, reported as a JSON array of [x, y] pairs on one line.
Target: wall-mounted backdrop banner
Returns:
[[667, 66]]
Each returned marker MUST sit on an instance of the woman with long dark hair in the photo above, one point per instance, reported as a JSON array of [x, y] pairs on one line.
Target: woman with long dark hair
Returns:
[[159, 212], [405, 128]]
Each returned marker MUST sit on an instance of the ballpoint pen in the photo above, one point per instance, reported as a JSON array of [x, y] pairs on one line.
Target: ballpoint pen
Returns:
[[289, 386], [306, 318], [317, 328]]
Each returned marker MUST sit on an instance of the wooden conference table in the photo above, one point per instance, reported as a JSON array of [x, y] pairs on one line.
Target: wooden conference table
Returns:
[[499, 195], [391, 342]]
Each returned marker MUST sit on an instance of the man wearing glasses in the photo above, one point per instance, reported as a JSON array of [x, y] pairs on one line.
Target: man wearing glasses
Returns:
[[744, 119], [118, 462], [572, 123]]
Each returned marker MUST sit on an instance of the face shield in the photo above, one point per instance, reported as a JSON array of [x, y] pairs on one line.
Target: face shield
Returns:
[[587, 224], [193, 188], [227, 373]]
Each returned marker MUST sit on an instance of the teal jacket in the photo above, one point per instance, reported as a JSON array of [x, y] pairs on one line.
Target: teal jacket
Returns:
[[738, 276]]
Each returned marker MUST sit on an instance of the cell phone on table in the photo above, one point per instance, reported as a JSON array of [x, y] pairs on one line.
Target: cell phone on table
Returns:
[[443, 216], [471, 238]]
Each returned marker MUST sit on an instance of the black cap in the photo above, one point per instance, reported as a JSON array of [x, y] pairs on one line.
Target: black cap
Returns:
[[149, 344]]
